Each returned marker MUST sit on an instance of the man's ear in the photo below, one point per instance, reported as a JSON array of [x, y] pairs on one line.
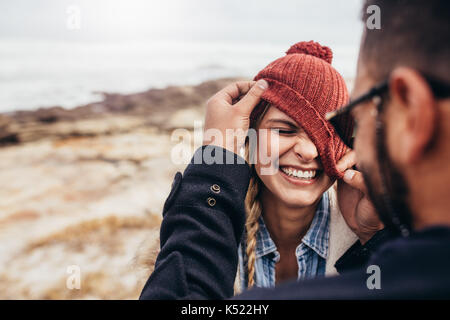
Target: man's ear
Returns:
[[411, 92]]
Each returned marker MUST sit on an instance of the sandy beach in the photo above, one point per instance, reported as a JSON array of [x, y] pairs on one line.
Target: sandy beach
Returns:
[[85, 187]]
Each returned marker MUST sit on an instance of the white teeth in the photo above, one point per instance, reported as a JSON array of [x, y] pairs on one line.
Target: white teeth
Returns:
[[309, 174]]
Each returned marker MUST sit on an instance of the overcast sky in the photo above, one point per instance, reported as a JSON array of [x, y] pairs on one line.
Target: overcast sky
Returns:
[[335, 21], [45, 61]]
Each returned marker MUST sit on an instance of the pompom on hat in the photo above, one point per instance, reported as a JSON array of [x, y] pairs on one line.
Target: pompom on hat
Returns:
[[305, 86]]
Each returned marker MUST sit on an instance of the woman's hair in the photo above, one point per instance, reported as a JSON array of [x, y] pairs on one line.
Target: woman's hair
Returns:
[[253, 206]]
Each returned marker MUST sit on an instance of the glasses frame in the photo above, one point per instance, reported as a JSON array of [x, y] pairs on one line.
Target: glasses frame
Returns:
[[439, 88]]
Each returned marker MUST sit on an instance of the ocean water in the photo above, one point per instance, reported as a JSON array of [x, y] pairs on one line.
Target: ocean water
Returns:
[[128, 46]]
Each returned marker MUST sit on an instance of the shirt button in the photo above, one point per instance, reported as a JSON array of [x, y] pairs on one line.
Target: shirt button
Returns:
[[211, 201], [215, 188]]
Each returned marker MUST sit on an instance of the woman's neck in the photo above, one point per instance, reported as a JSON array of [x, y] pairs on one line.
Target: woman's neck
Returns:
[[287, 225]]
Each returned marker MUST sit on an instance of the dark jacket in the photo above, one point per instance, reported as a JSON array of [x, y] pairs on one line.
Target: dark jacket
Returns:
[[203, 223]]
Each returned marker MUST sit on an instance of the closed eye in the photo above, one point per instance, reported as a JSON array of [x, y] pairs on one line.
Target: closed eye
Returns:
[[285, 131], [283, 126]]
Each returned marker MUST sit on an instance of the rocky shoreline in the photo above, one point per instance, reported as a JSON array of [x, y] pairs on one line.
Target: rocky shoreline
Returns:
[[156, 108], [85, 187]]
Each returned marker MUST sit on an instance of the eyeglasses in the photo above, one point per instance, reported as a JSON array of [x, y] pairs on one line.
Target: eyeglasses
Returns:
[[342, 120]]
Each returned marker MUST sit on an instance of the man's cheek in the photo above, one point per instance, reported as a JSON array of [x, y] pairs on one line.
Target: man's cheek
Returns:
[[363, 150], [395, 128]]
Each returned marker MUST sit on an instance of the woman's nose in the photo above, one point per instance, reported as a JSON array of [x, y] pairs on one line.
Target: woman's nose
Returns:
[[306, 149]]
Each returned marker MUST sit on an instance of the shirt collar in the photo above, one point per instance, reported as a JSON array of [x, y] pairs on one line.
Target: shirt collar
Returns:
[[264, 243], [319, 232], [316, 237]]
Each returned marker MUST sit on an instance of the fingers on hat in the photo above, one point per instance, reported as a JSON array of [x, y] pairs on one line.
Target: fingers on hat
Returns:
[[233, 91], [253, 96], [355, 179], [347, 161]]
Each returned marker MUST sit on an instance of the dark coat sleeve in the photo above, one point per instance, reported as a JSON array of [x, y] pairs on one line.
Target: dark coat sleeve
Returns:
[[203, 223]]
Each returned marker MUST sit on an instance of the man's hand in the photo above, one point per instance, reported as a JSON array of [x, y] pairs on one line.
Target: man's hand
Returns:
[[227, 122], [357, 210]]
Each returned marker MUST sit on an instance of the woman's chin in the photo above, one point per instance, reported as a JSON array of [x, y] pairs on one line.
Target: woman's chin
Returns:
[[303, 195], [299, 200]]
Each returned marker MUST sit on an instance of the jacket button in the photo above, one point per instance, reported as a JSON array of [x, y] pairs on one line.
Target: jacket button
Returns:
[[211, 201], [215, 188]]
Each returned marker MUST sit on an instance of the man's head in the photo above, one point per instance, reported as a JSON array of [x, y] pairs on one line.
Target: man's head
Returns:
[[403, 142]]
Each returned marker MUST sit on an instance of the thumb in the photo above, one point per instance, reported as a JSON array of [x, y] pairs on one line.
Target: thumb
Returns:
[[355, 179], [253, 96]]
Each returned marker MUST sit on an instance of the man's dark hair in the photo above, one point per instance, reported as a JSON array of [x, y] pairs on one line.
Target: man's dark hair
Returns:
[[414, 33]]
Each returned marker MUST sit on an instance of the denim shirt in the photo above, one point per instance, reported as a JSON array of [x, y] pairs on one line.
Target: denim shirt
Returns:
[[311, 253]]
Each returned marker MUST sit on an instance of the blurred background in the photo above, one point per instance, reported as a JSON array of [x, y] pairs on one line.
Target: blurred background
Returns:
[[91, 92]]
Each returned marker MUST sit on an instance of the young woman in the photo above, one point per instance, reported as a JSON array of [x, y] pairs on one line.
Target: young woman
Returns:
[[294, 229]]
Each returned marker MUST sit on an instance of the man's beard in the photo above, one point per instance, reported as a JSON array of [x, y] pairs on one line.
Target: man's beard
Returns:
[[390, 198]]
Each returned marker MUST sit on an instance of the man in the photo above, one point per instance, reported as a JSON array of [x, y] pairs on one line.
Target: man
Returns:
[[402, 150]]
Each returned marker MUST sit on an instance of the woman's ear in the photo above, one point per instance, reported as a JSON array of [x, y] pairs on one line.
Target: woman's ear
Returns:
[[412, 116]]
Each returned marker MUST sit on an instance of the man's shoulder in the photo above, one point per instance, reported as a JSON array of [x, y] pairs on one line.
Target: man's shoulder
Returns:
[[432, 242]]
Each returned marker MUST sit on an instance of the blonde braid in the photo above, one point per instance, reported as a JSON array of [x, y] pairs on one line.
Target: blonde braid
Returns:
[[253, 205], [253, 208]]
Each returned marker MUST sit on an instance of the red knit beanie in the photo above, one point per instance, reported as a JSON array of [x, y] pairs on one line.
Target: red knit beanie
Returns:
[[305, 86]]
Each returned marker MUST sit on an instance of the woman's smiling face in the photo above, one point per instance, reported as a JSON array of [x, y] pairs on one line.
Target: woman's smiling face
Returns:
[[299, 180]]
